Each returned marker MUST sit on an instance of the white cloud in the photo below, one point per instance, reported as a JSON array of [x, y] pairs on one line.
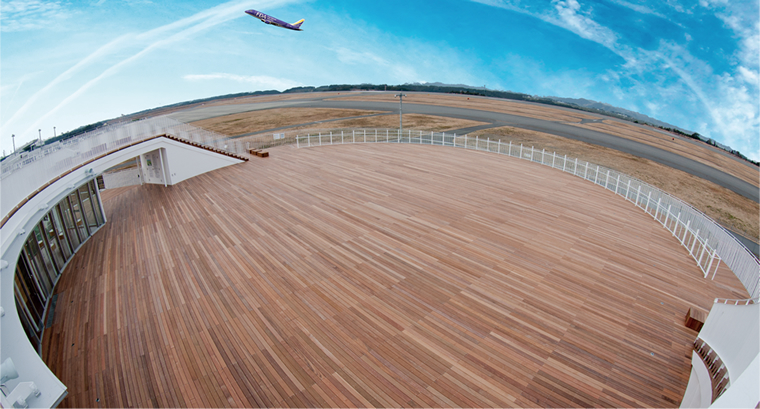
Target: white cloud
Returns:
[[23, 15], [260, 82], [148, 41], [728, 98], [66, 75], [569, 16], [638, 8], [373, 61]]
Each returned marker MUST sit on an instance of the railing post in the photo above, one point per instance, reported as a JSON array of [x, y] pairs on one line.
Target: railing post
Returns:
[[685, 232], [365, 135], [596, 175], [564, 163], [331, 138], [521, 150], [297, 144], [628, 189], [617, 184], [554, 156], [320, 139], [701, 253], [657, 211], [477, 141], [667, 216], [498, 145], [575, 168], [341, 137], [649, 199], [607, 180], [709, 265], [638, 193], [510, 148], [694, 243], [488, 144], [532, 153], [353, 136], [542, 156], [675, 227]]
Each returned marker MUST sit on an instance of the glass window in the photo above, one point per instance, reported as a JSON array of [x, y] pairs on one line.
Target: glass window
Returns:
[[61, 232], [26, 267], [89, 213], [30, 327], [32, 251], [96, 202], [50, 268], [27, 289], [68, 221], [51, 237], [76, 211]]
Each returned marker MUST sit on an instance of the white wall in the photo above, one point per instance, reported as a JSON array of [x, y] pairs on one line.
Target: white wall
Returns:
[[733, 331], [182, 160], [699, 390], [127, 177], [152, 167]]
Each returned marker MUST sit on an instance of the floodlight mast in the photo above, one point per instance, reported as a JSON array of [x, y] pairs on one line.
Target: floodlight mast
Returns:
[[400, 109]]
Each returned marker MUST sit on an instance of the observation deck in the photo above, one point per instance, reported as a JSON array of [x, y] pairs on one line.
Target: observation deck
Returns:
[[374, 275]]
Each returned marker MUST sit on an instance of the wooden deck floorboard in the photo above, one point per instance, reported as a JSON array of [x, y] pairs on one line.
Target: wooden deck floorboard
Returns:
[[377, 275]]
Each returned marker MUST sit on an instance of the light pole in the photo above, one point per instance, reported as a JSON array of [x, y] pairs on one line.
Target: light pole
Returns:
[[13, 138], [54, 132], [40, 130], [400, 109]]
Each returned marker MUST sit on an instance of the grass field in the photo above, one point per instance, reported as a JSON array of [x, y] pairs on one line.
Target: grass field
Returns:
[[726, 207]]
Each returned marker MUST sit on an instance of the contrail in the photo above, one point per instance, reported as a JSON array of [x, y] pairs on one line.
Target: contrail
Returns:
[[204, 19]]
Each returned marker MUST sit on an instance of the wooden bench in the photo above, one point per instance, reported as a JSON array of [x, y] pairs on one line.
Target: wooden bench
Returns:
[[695, 318], [259, 153]]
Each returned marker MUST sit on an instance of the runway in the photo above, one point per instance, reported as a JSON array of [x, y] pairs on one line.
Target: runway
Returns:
[[499, 119]]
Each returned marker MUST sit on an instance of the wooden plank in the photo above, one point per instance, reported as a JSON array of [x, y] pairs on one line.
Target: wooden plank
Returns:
[[377, 275]]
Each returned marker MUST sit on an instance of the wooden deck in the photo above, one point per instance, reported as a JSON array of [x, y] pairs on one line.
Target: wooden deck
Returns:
[[377, 275]]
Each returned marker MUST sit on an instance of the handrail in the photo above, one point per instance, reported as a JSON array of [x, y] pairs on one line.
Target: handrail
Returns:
[[719, 376], [747, 301], [707, 242], [48, 162]]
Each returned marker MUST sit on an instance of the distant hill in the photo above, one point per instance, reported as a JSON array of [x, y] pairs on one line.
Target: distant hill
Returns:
[[587, 103]]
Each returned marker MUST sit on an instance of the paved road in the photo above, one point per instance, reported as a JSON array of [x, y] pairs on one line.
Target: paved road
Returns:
[[500, 119]]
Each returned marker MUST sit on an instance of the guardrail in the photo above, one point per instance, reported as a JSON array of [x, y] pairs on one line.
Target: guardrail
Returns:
[[706, 241], [748, 301], [47, 162]]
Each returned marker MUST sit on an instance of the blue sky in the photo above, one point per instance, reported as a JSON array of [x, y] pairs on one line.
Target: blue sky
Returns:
[[694, 64]]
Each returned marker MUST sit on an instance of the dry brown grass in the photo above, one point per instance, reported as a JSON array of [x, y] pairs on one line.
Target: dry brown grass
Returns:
[[485, 104], [724, 206], [687, 147], [257, 121]]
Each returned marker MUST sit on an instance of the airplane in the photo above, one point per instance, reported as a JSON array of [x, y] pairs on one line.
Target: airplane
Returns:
[[267, 19]]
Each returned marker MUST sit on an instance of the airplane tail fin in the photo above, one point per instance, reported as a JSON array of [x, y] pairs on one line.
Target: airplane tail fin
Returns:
[[298, 23]]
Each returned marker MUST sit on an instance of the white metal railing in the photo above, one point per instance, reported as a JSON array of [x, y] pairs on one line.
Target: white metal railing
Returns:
[[23, 173], [706, 241], [747, 301]]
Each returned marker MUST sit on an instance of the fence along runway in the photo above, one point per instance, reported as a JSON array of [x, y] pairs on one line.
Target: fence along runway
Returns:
[[377, 275]]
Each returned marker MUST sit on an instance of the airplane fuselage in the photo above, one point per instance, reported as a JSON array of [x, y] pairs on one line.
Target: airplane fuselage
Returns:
[[267, 19]]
